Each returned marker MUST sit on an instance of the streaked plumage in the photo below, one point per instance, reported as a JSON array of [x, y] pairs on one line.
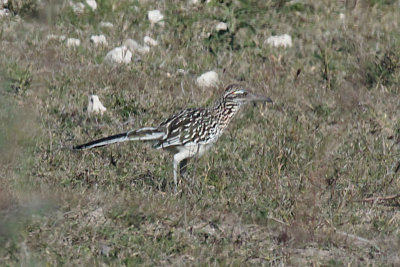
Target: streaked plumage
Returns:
[[190, 132]]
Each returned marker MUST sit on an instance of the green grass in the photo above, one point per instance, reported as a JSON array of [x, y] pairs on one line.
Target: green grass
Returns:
[[284, 185]]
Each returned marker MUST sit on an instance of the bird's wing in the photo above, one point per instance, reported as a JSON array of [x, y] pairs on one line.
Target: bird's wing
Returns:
[[182, 127]]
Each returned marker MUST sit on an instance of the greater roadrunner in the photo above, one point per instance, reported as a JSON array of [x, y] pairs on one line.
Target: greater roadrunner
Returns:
[[190, 132]]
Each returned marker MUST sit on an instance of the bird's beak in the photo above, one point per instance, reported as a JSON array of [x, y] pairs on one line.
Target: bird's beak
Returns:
[[259, 98]]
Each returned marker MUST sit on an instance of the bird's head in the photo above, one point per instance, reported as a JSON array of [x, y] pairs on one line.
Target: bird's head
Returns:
[[238, 94]]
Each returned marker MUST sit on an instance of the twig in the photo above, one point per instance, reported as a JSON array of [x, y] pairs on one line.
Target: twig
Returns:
[[353, 238], [357, 238], [277, 220], [374, 199]]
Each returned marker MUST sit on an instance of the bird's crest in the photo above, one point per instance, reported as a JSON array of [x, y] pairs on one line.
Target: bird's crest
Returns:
[[232, 88]]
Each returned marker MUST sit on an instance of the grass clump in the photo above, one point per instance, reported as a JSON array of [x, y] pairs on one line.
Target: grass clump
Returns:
[[383, 69], [19, 78], [24, 8]]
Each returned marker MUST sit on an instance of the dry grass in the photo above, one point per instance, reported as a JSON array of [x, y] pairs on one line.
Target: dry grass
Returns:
[[285, 185]]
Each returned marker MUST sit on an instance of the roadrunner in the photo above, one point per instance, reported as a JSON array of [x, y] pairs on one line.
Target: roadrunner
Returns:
[[190, 132]]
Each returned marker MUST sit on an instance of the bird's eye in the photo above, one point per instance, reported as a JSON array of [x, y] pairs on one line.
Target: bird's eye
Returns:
[[241, 92]]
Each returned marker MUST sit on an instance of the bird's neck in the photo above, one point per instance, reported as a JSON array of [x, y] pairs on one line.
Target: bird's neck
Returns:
[[225, 111]]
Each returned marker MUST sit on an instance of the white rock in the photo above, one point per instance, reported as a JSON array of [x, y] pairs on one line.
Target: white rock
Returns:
[[96, 217], [92, 4], [73, 42], [4, 2], [4, 12], [134, 46], [181, 71], [95, 106], [52, 37], [284, 40], [56, 37], [98, 40], [208, 79], [106, 24], [78, 8], [118, 55], [194, 2], [222, 26], [155, 16], [150, 41], [342, 16]]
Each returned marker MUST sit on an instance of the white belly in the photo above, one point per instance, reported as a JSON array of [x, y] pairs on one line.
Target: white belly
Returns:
[[192, 150]]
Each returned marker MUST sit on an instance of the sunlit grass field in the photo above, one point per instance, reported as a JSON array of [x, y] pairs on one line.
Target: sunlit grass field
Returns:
[[311, 180]]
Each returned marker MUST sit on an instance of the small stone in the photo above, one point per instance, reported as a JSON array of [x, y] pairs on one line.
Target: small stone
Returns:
[[222, 26], [150, 41], [105, 250], [118, 55], [98, 40], [208, 79], [56, 37], [92, 4], [284, 40], [95, 106], [52, 37], [96, 217], [73, 42], [155, 16], [342, 16], [134, 46], [106, 24], [4, 12], [181, 71], [78, 8]]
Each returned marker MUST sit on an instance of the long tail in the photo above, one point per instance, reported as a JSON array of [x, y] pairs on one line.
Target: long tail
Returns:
[[143, 134]]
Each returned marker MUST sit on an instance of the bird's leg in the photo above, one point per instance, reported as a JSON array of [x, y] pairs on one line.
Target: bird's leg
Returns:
[[183, 167], [176, 164], [182, 171]]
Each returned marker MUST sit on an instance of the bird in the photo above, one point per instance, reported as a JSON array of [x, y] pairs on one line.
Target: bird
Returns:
[[190, 132]]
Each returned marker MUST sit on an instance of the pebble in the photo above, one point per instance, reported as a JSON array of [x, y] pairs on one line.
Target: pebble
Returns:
[[150, 41], [56, 37], [73, 42], [118, 55], [155, 16], [105, 250], [222, 26], [98, 40], [208, 79], [92, 4], [95, 106], [181, 71], [284, 40], [134, 46], [4, 12], [78, 8], [106, 24]]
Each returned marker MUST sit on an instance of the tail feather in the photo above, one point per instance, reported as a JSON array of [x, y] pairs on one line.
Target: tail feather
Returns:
[[103, 141], [146, 134], [143, 134]]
